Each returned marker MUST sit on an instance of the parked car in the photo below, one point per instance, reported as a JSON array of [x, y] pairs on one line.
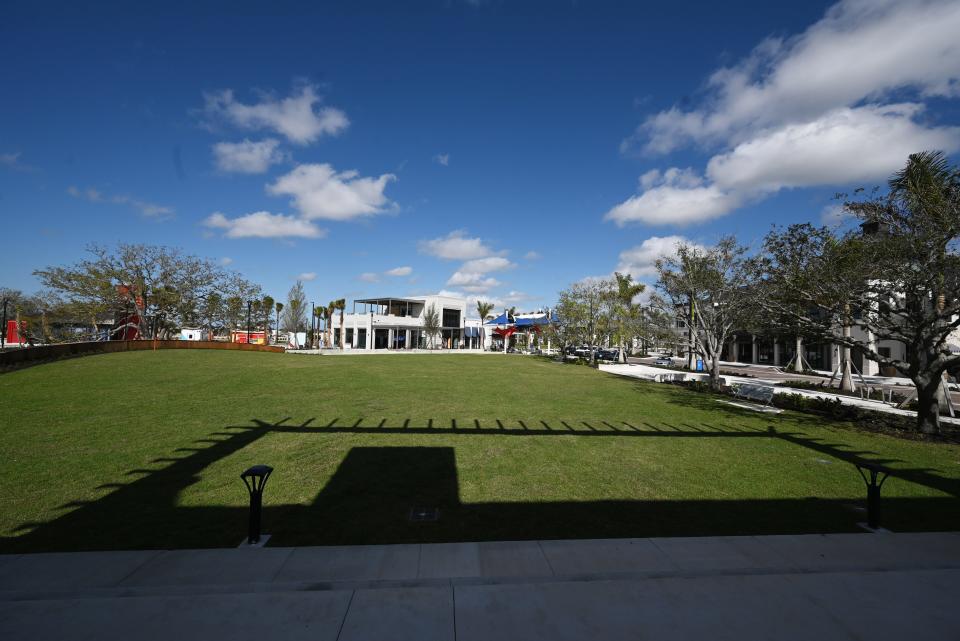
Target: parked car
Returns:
[[664, 360], [607, 354]]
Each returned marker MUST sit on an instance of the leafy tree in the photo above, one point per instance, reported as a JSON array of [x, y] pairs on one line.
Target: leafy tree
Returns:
[[295, 314], [714, 285], [583, 314], [166, 287], [431, 324], [903, 273]]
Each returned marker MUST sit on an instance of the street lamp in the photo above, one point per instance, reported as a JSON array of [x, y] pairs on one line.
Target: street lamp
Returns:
[[3, 332], [255, 478]]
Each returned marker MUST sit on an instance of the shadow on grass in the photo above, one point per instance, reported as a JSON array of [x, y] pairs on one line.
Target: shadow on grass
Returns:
[[370, 498]]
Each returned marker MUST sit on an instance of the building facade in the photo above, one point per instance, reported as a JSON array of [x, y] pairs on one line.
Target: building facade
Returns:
[[394, 323]]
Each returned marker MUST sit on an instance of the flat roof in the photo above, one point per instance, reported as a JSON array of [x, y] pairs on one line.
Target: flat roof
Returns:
[[389, 298]]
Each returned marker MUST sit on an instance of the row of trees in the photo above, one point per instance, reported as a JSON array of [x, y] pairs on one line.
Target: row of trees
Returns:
[[607, 311], [895, 279], [165, 287]]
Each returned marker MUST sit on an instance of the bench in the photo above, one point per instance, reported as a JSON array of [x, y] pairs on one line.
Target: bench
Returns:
[[753, 392]]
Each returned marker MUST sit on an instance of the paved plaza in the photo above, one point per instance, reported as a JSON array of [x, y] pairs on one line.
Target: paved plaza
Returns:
[[835, 586]]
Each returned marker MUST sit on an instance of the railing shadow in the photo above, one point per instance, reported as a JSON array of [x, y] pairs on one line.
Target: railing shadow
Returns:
[[370, 497]]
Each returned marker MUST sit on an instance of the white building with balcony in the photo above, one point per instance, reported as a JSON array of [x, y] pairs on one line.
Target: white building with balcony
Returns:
[[397, 324]]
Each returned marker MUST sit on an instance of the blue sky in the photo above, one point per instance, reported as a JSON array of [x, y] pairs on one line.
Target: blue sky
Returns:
[[498, 149]]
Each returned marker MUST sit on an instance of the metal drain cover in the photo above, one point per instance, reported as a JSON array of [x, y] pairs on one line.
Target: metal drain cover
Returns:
[[424, 514]]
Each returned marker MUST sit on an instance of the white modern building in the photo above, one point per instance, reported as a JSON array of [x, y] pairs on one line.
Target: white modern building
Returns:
[[397, 324]]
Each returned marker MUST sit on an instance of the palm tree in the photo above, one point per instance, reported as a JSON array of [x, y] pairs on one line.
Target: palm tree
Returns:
[[341, 304], [266, 305], [315, 323], [627, 290], [328, 316], [431, 324], [483, 309], [279, 308]]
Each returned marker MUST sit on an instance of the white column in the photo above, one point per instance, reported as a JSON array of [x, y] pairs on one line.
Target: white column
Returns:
[[754, 349], [370, 336], [776, 353], [871, 367], [353, 343], [406, 339], [390, 338]]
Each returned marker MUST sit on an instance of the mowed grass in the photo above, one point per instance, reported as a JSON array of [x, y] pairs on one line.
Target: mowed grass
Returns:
[[145, 449]]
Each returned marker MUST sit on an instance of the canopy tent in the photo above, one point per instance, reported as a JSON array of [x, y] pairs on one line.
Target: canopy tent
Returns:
[[502, 319], [532, 322]]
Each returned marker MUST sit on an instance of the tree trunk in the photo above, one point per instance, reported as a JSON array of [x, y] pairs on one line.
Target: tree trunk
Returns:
[[715, 373], [928, 405], [798, 359], [846, 378]]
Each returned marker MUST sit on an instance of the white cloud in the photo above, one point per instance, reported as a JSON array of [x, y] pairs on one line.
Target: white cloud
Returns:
[[226, 260], [488, 264], [812, 110], [307, 276], [455, 246], [263, 224], [669, 203], [296, 117], [834, 215], [369, 277], [860, 50], [442, 159], [472, 282], [146, 209], [399, 271], [841, 147], [248, 157], [514, 296], [532, 255], [449, 293], [640, 261], [319, 191]]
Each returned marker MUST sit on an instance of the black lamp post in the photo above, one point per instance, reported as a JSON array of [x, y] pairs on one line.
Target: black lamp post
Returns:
[[255, 478], [249, 307], [3, 332]]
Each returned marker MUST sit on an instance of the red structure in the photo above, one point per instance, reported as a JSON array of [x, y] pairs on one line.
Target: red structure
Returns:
[[14, 333], [255, 338], [128, 324]]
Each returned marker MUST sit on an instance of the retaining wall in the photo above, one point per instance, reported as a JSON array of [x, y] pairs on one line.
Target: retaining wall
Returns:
[[19, 358]]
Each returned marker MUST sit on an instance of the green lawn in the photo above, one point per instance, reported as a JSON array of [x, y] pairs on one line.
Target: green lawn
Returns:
[[144, 449]]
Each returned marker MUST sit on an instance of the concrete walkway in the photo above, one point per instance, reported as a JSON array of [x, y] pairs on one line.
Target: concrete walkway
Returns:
[[660, 375], [837, 586]]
